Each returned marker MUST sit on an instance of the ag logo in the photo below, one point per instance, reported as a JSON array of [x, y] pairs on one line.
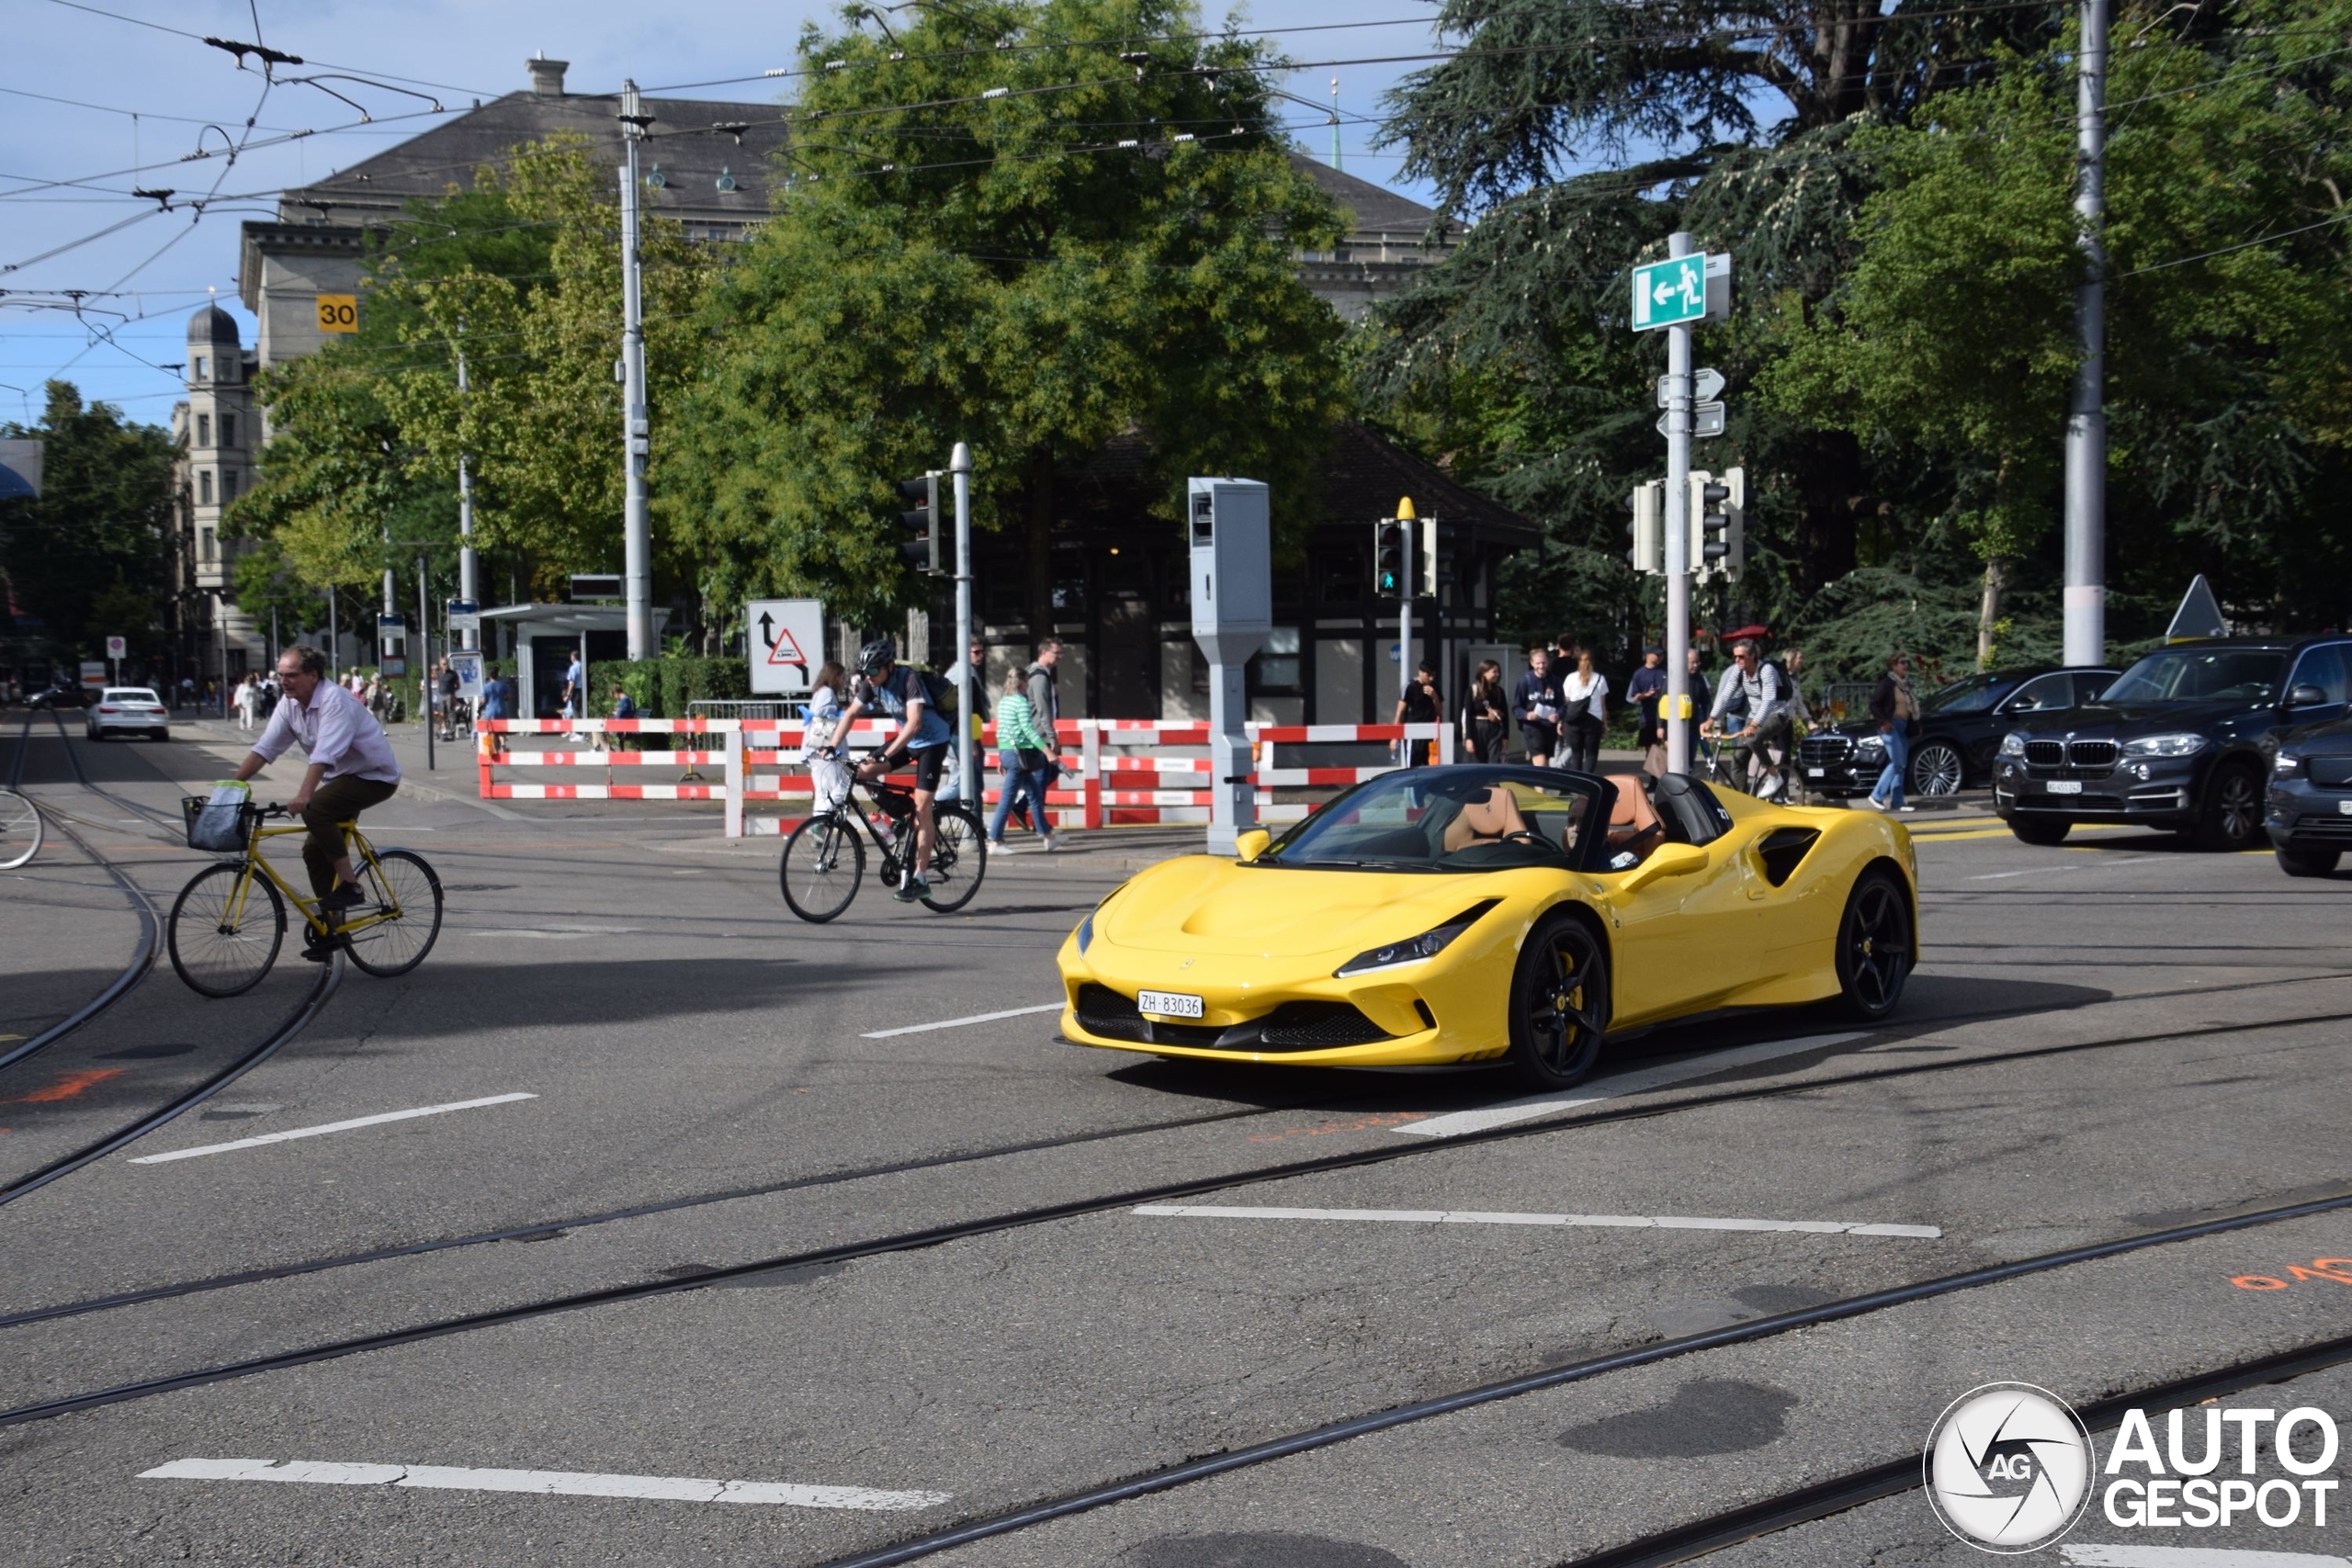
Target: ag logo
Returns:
[[2008, 1467]]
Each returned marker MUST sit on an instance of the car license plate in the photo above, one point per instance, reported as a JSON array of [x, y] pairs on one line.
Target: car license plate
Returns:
[[2065, 786], [1168, 1004], [1817, 772]]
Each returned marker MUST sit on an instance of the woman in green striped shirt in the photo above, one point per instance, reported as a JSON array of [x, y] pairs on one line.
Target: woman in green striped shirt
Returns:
[[1026, 758]]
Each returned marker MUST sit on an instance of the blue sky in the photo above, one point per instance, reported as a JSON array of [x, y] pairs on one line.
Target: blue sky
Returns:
[[145, 95]]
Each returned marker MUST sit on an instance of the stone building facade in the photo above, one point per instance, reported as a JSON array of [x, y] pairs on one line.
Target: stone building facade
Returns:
[[217, 437]]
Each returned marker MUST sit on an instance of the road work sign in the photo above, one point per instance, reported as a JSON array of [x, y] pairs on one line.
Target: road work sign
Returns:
[[787, 644]]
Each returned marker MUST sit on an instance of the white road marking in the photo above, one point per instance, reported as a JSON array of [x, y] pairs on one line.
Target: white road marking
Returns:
[[2070, 866], [1473, 1217], [556, 933], [1510, 1110], [959, 1023], [324, 1128], [2084, 1554], [548, 1483]]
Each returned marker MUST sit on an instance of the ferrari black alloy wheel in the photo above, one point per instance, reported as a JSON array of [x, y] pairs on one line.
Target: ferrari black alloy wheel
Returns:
[[1874, 947], [1559, 1005]]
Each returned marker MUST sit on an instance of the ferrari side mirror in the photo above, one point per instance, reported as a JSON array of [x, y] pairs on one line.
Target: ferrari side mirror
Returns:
[[1666, 859], [1251, 845]]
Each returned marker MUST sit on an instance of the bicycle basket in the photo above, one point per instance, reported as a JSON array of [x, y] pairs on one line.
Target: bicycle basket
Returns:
[[215, 824]]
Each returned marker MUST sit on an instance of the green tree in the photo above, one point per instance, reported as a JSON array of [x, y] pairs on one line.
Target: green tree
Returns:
[[89, 557], [1030, 250]]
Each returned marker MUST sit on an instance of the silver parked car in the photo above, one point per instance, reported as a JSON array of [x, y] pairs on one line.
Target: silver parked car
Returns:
[[134, 708]]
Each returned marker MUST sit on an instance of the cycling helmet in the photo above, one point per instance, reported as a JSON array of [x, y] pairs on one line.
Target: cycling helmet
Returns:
[[876, 656]]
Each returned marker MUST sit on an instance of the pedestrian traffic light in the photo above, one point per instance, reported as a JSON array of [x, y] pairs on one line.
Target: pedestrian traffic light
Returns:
[[1649, 530], [1718, 505], [922, 524], [1392, 573]]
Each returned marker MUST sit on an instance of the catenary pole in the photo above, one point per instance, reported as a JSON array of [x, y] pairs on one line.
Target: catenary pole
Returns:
[[424, 658], [1677, 533], [959, 465], [467, 573], [2086, 597], [637, 540]]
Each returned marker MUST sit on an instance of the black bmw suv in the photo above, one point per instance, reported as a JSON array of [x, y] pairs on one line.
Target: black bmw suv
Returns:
[[1959, 728], [2177, 742], [2310, 815]]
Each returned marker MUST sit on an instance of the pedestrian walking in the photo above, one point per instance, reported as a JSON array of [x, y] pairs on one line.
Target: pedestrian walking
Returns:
[[1419, 703], [1025, 755], [1893, 708], [1644, 691], [575, 691], [977, 722], [248, 699], [820, 741], [624, 706], [1537, 703], [1702, 694], [1043, 688], [1485, 716], [497, 701], [1584, 711]]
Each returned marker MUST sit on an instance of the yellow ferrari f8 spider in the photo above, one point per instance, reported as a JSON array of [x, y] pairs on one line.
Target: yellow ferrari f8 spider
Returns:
[[1477, 913]]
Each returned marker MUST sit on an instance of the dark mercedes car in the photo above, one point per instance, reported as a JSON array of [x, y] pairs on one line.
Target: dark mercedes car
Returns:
[[2177, 742], [2310, 813], [1959, 728]]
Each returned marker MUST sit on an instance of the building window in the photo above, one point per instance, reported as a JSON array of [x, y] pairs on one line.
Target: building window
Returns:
[[203, 489], [228, 430], [204, 430], [1276, 667], [228, 485], [204, 546], [203, 368]]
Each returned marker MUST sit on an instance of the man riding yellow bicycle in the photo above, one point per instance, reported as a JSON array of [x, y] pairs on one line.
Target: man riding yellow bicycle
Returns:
[[351, 769]]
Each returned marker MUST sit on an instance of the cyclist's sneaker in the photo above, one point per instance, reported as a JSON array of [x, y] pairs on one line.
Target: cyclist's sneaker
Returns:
[[342, 895], [319, 949], [912, 889]]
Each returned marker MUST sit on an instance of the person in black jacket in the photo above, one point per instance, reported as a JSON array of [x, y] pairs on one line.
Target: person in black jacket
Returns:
[[1893, 708]]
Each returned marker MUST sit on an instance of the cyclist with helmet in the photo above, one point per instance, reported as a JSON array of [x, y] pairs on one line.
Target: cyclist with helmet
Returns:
[[886, 686]]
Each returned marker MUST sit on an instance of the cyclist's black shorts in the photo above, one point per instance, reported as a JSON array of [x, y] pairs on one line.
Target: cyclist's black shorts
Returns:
[[929, 763]]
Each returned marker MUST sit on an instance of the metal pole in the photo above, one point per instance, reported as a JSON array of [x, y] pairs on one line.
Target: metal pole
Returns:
[[2085, 600], [1409, 520], [637, 537], [424, 658], [1677, 533], [335, 640], [959, 464], [466, 586]]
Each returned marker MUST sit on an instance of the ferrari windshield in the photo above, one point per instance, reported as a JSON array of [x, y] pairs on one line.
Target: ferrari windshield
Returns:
[[1449, 819], [2213, 675]]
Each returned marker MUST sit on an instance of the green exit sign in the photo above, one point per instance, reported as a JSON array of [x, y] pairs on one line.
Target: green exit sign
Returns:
[[1669, 293]]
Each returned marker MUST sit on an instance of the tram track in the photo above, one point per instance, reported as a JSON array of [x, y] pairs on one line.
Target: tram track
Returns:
[[323, 987], [143, 961], [925, 1237]]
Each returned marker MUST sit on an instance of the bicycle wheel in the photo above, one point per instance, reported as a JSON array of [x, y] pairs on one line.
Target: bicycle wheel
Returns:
[[404, 897], [821, 865], [19, 829], [225, 929], [959, 858]]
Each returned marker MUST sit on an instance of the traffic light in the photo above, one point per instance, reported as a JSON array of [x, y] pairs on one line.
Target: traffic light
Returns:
[[1392, 573], [1718, 507], [1429, 559], [1649, 528], [922, 523]]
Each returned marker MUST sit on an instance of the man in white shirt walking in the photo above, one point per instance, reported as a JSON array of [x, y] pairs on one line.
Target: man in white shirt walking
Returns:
[[351, 769]]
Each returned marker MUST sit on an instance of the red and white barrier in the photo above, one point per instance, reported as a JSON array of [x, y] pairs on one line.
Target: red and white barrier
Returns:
[[1110, 777]]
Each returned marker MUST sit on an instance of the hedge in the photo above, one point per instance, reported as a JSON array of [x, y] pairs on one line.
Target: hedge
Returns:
[[668, 686]]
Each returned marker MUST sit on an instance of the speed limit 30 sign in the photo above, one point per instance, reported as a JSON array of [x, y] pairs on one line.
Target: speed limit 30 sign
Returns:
[[338, 313]]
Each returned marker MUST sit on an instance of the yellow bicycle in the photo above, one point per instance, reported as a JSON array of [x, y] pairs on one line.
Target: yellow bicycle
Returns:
[[230, 921]]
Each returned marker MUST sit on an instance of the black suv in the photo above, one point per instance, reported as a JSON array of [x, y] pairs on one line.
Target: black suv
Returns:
[[2310, 816], [1959, 729], [2177, 742]]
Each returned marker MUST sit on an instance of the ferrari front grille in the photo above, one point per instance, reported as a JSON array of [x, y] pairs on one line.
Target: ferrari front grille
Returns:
[[1311, 1026]]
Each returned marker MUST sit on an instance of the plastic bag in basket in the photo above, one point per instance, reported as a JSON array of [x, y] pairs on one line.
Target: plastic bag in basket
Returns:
[[219, 826]]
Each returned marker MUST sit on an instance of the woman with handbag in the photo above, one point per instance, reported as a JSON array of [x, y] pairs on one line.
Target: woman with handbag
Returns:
[[1027, 759], [1485, 716], [1585, 706]]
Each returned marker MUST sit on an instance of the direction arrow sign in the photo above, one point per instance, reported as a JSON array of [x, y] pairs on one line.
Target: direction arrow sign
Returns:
[[1706, 419], [1669, 293], [1706, 387], [787, 644]]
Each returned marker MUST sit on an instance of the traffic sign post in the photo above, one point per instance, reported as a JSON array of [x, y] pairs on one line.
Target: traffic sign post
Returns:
[[787, 644], [1673, 295]]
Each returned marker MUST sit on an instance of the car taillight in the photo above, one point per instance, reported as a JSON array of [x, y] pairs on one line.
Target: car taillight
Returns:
[[104, 709]]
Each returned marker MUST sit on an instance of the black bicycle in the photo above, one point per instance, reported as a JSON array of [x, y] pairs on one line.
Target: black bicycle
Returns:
[[824, 860]]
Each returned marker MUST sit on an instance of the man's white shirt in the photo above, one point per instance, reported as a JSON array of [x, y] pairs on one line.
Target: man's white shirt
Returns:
[[334, 727]]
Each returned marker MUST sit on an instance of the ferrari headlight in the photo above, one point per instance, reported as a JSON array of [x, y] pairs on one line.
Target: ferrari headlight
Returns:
[[2286, 766], [2013, 743], [2164, 745], [1085, 932], [1429, 944]]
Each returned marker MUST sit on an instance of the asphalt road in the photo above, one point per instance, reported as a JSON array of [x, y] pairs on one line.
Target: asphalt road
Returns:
[[657, 1073]]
